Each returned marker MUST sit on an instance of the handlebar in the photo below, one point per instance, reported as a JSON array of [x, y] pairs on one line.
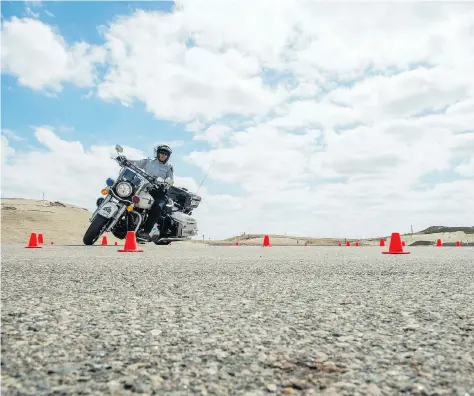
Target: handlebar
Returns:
[[122, 160]]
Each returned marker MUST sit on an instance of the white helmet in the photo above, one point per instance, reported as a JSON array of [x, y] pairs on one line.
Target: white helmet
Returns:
[[163, 149]]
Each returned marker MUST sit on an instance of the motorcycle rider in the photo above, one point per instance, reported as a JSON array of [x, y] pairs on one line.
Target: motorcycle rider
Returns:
[[156, 167]]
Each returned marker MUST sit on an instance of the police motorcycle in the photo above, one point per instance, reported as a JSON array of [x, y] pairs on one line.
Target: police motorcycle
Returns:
[[126, 203]]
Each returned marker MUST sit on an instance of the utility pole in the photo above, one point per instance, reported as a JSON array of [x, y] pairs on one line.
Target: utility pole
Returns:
[[411, 230]]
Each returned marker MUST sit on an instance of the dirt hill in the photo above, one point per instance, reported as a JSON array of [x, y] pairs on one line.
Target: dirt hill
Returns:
[[66, 224], [438, 229], [58, 222]]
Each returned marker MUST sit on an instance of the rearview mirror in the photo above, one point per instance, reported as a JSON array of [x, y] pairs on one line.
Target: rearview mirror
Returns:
[[118, 148]]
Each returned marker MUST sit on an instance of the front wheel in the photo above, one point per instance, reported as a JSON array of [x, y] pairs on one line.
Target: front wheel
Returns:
[[95, 230]]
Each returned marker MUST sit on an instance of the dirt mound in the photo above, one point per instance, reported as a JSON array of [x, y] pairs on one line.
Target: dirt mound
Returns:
[[438, 229], [58, 222], [422, 243], [276, 239]]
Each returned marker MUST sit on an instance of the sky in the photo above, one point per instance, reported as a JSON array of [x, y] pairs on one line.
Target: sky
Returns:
[[345, 120]]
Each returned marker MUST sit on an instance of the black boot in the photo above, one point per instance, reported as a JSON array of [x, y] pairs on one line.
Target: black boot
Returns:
[[143, 235]]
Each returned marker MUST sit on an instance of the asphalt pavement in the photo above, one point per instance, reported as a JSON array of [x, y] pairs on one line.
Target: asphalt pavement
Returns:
[[190, 319]]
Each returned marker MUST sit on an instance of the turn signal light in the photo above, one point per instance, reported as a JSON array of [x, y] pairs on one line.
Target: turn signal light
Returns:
[[104, 191], [130, 208]]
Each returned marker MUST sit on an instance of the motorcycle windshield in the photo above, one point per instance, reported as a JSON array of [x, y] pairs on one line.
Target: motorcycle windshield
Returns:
[[132, 177]]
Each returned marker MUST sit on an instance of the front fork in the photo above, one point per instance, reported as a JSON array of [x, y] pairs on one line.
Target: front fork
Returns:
[[106, 199], [118, 215]]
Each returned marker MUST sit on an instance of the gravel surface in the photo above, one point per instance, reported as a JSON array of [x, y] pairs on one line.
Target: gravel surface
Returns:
[[183, 319]]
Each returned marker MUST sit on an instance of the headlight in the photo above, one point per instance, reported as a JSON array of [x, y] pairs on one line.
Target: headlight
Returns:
[[124, 189]]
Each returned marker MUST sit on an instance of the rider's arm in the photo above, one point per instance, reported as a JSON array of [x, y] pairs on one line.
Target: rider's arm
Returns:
[[140, 163], [170, 174]]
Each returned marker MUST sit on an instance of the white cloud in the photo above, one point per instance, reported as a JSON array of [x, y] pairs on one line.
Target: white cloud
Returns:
[[343, 109], [65, 170], [176, 82], [467, 168], [62, 169], [214, 134], [7, 151], [9, 134], [40, 58], [405, 94]]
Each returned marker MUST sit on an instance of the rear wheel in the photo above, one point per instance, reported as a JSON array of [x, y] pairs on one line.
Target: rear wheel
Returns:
[[161, 243], [95, 230]]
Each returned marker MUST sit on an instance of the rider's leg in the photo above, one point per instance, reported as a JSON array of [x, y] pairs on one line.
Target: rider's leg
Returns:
[[153, 215]]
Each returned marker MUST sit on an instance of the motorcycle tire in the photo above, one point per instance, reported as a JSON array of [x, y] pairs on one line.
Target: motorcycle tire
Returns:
[[95, 230], [159, 242]]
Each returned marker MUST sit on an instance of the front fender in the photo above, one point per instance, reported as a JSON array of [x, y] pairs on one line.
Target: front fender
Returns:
[[108, 210]]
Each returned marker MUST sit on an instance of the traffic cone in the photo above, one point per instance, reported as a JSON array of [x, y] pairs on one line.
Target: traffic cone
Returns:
[[237, 243], [130, 243], [115, 243], [357, 243], [458, 243], [339, 244], [403, 243], [348, 243], [40, 239], [396, 246], [382, 242], [104, 240], [439, 243], [33, 242], [266, 241]]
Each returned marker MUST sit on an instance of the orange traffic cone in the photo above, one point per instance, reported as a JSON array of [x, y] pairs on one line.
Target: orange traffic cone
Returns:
[[357, 243], [403, 243], [266, 241], [33, 242], [396, 246], [40, 239], [348, 243], [382, 242], [458, 243], [439, 243], [237, 243], [340, 244], [104, 240], [130, 243]]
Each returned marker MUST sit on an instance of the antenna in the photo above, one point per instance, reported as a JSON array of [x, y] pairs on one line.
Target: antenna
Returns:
[[205, 176]]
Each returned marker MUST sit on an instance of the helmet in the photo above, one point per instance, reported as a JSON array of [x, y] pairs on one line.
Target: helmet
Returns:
[[163, 148]]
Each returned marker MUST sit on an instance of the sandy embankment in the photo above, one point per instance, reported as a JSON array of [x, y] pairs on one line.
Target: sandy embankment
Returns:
[[58, 222], [446, 237], [66, 224]]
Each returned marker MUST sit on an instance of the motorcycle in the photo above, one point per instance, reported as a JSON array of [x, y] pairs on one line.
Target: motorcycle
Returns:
[[126, 203]]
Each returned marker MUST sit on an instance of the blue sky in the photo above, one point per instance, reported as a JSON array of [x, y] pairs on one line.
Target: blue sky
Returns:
[[93, 120], [298, 113]]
